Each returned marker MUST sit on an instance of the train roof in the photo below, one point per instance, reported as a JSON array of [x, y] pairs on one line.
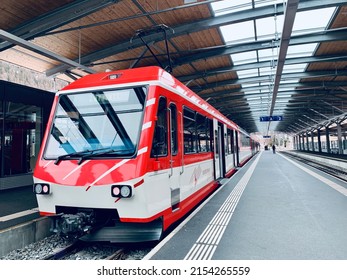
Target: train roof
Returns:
[[147, 74]]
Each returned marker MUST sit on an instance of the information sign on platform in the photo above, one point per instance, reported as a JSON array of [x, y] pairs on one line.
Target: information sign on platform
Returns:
[[271, 118]]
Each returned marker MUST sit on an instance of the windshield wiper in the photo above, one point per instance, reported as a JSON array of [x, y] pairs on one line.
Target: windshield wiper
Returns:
[[82, 155], [105, 152], [71, 155]]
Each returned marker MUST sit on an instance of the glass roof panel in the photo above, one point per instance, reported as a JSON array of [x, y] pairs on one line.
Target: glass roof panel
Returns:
[[265, 83], [289, 81], [294, 68], [279, 101], [254, 103], [286, 89], [301, 50], [252, 92], [231, 33], [267, 28], [262, 3], [268, 54], [230, 6], [284, 95], [247, 73], [245, 86], [266, 71], [318, 20], [245, 57], [258, 98]]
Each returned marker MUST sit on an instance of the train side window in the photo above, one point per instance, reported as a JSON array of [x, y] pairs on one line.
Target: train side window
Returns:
[[230, 141], [159, 146], [226, 143], [189, 125], [202, 134], [173, 128], [208, 134]]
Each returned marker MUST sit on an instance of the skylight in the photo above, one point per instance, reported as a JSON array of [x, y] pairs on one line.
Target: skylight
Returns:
[[318, 20], [245, 57], [301, 50], [261, 3], [267, 28], [232, 33], [230, 6], [266, 71], [253, 92], [247, 73], [258, 82], [250, 85], [289, 81], [294, 68], [268, 54]]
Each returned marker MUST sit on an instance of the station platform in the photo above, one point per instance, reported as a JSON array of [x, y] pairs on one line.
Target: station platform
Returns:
[[17, 206], [273, 208]]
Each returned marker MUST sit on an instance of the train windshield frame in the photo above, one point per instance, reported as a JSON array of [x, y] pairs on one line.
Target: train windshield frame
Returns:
[[92, 124]]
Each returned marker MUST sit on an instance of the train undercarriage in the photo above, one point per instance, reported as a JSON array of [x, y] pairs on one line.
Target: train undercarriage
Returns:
[[102, 225]]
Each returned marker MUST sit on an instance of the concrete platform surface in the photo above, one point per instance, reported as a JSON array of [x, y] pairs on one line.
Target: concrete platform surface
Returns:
[[273, 209]]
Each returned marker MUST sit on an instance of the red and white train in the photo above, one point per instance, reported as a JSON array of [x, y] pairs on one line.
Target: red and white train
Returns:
[[128, 153]]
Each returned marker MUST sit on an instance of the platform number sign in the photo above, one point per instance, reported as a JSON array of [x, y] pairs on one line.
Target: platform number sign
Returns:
[[271, 118]]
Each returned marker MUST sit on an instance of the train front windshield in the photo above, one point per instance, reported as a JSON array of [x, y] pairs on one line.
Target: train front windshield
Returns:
[[96, 124]]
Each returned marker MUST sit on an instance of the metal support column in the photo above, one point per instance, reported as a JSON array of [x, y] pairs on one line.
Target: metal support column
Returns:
[[339, 138], [319, 141], [327, 138], [295, 142], [312, 140]]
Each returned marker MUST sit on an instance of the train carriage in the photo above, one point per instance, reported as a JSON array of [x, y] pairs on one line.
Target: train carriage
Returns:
[[128, 153]]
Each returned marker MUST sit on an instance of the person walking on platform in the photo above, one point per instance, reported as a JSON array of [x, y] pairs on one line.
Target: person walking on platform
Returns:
[[274, 149]]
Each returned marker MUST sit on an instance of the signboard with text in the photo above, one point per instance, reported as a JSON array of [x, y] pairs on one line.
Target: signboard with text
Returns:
[[271, 118]]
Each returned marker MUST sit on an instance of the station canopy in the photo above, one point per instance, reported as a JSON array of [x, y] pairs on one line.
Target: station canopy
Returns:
[[268, 65]]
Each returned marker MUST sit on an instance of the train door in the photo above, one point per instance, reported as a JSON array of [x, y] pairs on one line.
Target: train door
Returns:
[[223, 158], [233, 146], [218, 149], [160, 150], [237, 148], [165, 149], [174, 157]]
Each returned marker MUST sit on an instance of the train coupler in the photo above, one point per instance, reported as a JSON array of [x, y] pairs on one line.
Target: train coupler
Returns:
[[73, 225]]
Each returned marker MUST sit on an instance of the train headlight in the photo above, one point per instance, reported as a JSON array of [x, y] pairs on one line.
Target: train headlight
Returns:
[[115, 191], [41, 188], [125, 191], [121, 191]]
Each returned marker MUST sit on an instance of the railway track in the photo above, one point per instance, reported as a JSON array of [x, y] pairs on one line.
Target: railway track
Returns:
[[318, 165], [118, 255], [61, 253], [79, 248]]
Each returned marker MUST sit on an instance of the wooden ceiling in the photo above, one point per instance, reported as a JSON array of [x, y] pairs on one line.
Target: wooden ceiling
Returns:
[[102, 34]]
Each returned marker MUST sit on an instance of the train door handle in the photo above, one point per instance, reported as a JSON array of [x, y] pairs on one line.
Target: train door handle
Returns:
[[171, 161]]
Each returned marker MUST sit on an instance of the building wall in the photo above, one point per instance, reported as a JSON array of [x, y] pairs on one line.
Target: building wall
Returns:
[[27, 77], [24, 112]]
